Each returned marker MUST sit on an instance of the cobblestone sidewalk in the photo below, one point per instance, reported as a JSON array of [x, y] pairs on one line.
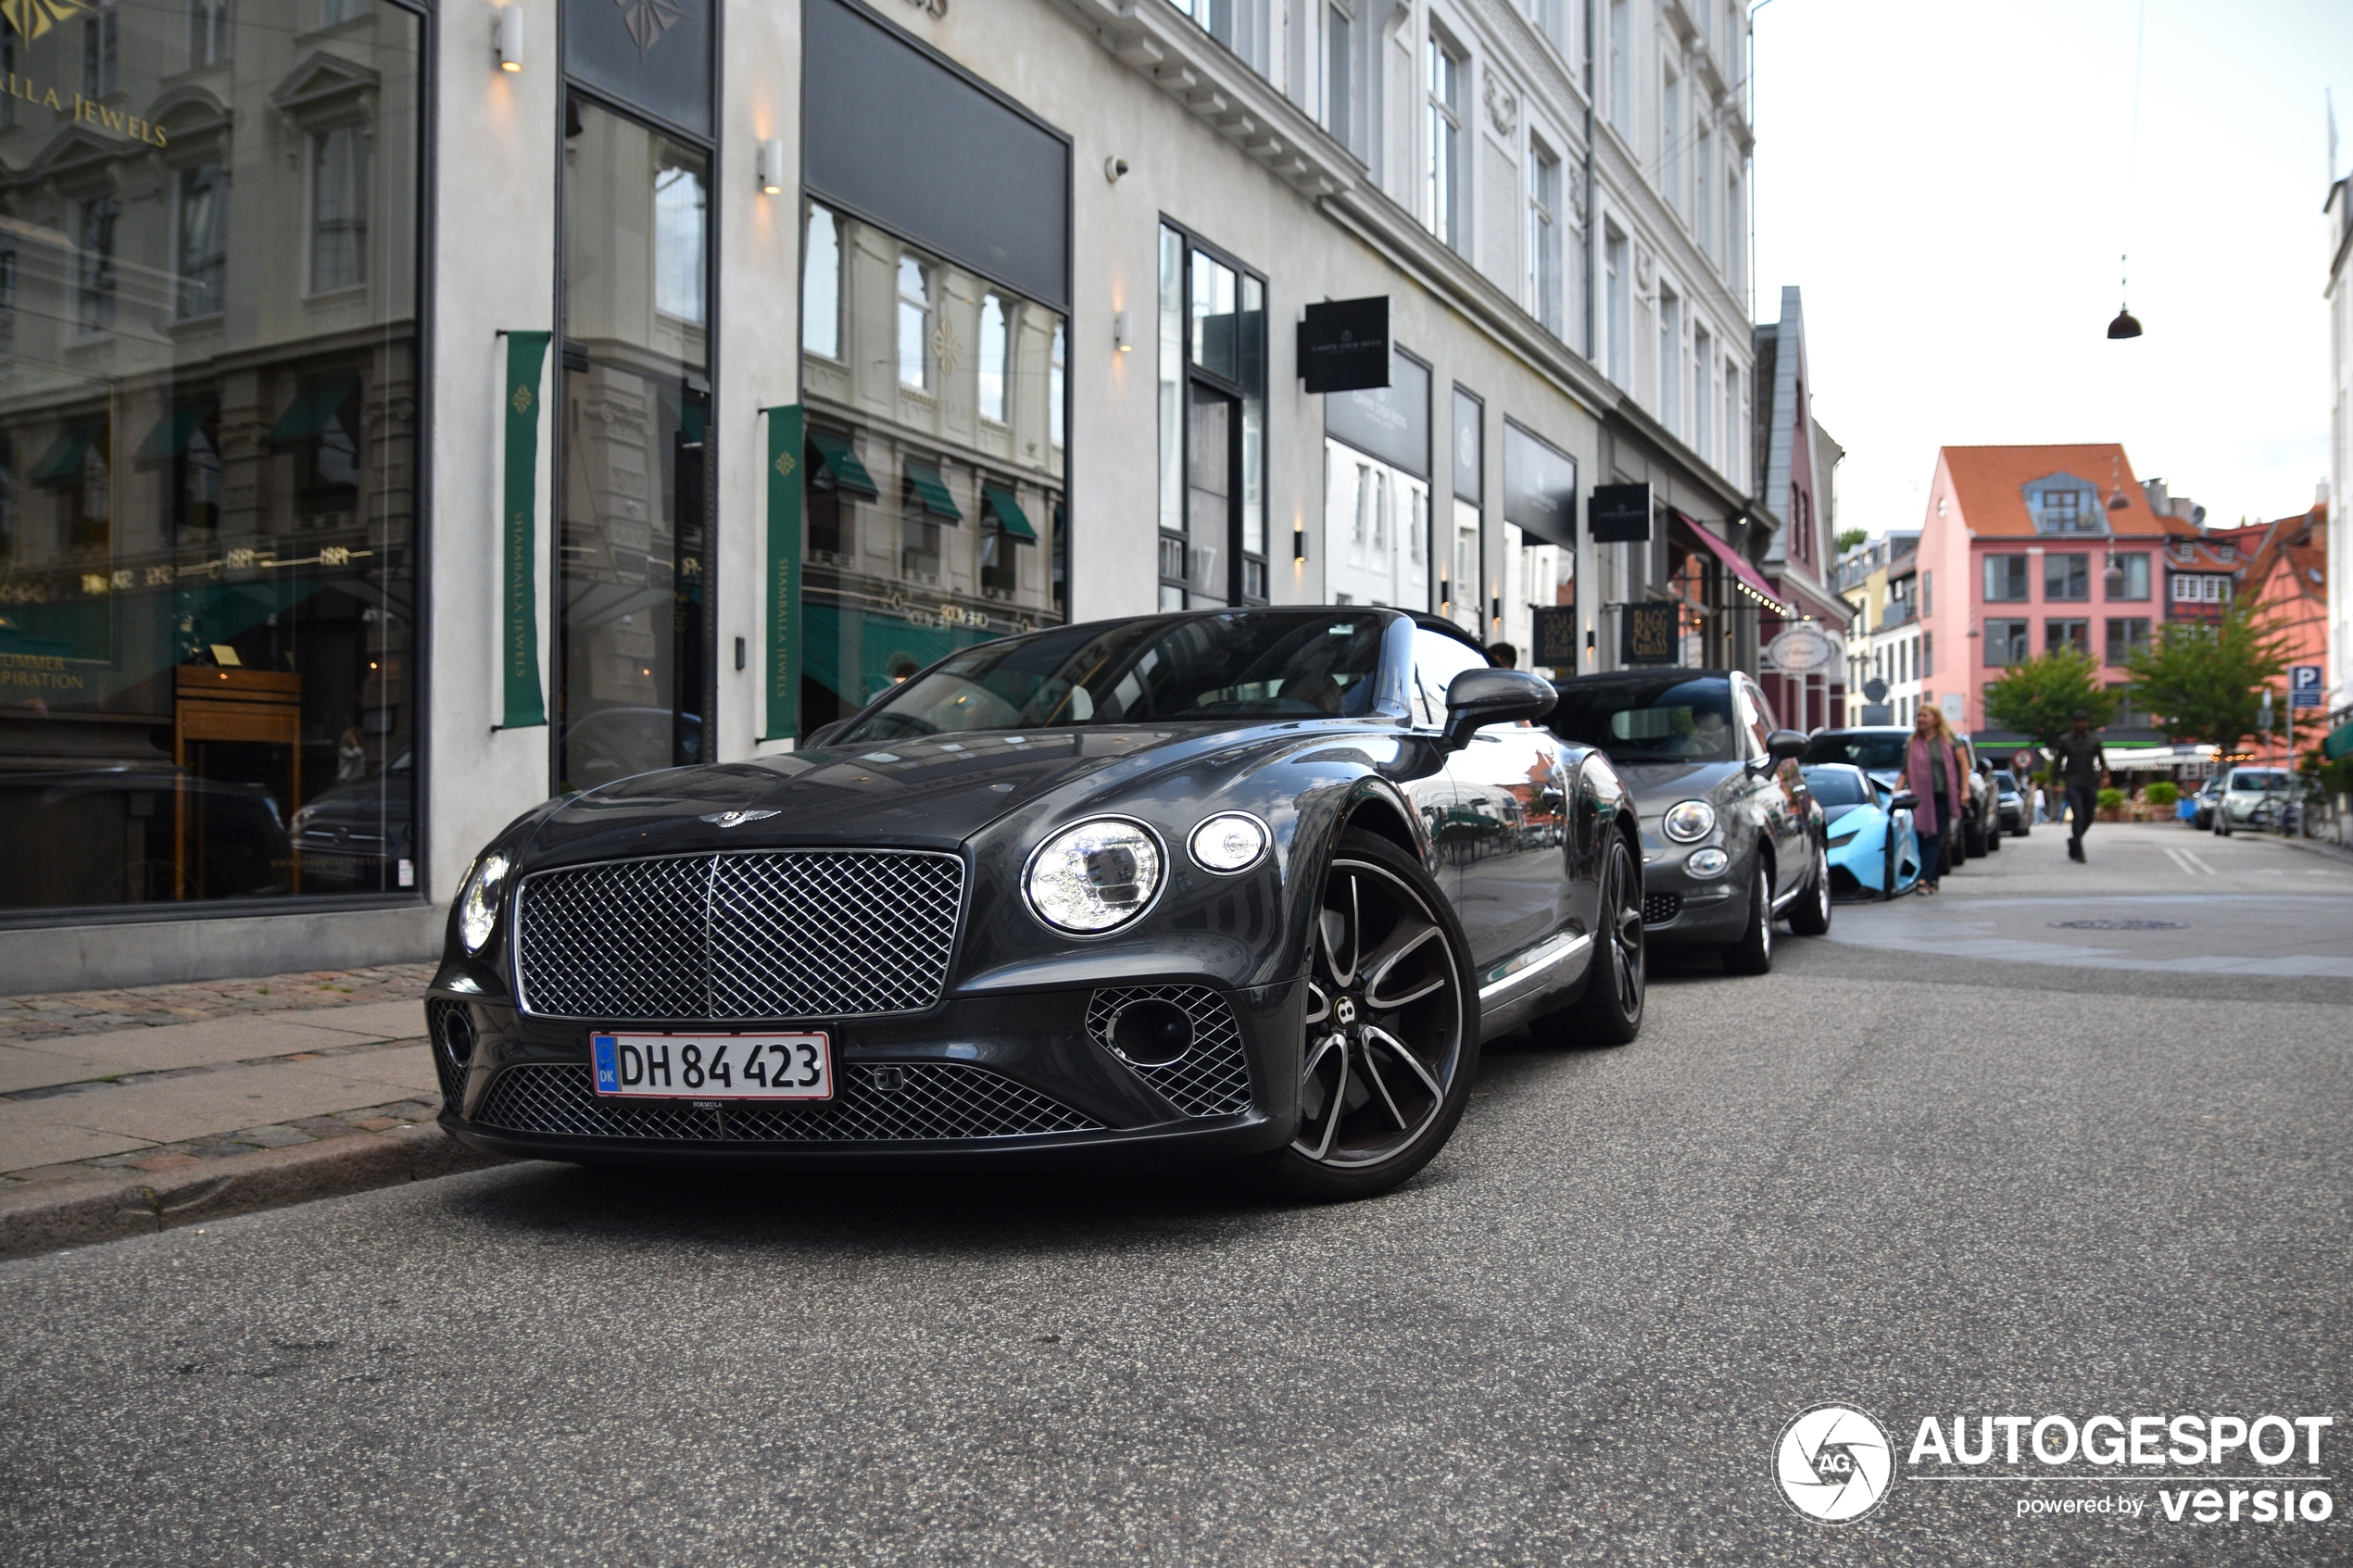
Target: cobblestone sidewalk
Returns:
[[49, 1014]]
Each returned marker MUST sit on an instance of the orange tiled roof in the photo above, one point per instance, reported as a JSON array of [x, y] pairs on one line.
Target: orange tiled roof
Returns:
[[1989, 482]]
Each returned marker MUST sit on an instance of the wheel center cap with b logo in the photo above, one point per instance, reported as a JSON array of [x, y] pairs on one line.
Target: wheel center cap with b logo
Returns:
[[1344, 1012]]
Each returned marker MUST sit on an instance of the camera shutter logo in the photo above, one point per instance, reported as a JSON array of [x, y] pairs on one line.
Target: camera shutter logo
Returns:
[[1834, 1463]]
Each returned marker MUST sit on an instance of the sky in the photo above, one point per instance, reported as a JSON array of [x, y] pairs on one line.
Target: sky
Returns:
[[1952, 185]]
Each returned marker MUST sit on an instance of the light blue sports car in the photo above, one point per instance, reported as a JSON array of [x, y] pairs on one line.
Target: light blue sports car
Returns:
[[1873, 849]]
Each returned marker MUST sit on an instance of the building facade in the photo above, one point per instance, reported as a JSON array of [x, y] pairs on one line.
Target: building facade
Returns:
[[412, 411], [2338, 210]]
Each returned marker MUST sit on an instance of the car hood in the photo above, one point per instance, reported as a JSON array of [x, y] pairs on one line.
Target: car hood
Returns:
[[1657, 786], [934, 793]]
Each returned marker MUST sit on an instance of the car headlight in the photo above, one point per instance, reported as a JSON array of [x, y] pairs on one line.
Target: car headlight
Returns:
[[302, 820], [1707, 862], [1688, 820], [1228, 842], [1094, 876], [478, 906]]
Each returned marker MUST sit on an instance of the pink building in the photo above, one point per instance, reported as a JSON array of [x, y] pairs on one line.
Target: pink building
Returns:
[[2025, 549]]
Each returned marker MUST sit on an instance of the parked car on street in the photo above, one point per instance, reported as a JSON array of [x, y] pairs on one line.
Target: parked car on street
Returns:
[[1873, 848], [1879, 751], [1155, 889], [2254, 797], [1732, 838], [2198, 810], [2010, 804]]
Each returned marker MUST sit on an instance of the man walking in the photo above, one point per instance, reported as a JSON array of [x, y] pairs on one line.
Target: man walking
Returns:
[[2079, 763]]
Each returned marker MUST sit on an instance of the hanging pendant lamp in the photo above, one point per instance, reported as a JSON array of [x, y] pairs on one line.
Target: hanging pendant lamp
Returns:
[[2126, 324]]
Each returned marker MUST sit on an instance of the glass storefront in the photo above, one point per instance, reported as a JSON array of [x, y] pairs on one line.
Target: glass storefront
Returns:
[[208, 409], [934, 493], [632, 635], [1213, 428]]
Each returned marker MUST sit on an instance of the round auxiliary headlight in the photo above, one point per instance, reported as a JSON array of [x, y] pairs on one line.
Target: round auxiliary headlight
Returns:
[[1228, 842], [1689, 819], [478, 906], [1094, 876], [1707, 862]]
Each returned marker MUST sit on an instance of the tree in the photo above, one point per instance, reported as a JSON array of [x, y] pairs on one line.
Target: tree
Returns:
[[2039, 697], [2205, 682], [1851, 537]]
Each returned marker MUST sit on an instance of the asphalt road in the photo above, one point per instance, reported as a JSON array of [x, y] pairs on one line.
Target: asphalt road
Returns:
[[1952, 1160]]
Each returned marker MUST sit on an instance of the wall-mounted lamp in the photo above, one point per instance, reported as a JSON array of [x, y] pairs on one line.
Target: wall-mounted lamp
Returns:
[[1122, 330], [770, 166], [1299, 542], [506, 37]]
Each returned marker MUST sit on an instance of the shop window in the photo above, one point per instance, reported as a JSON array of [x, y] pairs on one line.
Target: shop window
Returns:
[[338, 208], [211, 543], [1211, 389], [2006, 579], [821, 285]]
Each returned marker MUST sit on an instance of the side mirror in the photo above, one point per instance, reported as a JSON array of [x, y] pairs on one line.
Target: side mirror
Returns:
[[1478, 698], [1904, 800], [1783, 746]]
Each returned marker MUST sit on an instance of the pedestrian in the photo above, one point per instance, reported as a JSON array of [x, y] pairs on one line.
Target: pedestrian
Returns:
[[1932, 773], [2077, 763], [2042, 807], [1503, 656]]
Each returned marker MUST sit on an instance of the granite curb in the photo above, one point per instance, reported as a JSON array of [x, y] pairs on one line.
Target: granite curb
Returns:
[[43, 1218]]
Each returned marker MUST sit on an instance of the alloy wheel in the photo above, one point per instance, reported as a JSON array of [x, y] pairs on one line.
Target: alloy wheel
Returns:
[[1384, 1030], [1622, 933]]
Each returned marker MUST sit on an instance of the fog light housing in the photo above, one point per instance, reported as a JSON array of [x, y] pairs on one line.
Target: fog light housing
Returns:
[[1150, 1034], [1707, 862]]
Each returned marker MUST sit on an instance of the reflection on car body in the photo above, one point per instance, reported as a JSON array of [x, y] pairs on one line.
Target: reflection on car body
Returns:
[[1241, 885]]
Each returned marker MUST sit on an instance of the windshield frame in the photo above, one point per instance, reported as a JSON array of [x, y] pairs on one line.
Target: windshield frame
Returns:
[[1581, 694]]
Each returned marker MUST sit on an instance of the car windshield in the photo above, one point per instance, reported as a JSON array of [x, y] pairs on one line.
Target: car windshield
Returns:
[[1255, 664], [2005, 783], [1879, 751], [1673, 717], [1838, 786], [2251, 779]]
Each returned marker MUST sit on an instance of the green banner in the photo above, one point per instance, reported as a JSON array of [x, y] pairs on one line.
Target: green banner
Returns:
[[518, 629], [785, 457]]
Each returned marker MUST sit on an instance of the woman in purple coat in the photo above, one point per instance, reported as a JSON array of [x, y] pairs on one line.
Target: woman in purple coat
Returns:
[[1932, 771]]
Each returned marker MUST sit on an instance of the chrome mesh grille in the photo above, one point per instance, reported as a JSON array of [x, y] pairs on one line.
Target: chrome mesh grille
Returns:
[[453, 1047], [763, 934], [1213, 1077], [934, 1102]]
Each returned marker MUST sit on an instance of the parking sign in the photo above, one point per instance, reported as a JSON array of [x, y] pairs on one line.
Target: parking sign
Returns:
[[2304, 685]]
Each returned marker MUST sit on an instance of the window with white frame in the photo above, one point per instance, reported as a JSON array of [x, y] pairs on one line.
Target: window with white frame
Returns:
[[1735, 230], [101, 53], [1621, 65], [1735, 424], [1703, 400], [821, 285], [1670, 360], [991, 364], [1552, 21], [915, 324], [1670, 137], [1614, 303], [1339, 25], [1706, 203], [338, 208], [1543, 235], [207, 31], [200, 242], [1446, 71]]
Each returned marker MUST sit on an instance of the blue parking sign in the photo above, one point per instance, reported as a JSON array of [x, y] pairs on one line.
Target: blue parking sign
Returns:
[[2304, 685]]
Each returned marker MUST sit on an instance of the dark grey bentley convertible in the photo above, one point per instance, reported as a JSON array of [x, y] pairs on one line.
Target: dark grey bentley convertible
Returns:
[[1247, 886]]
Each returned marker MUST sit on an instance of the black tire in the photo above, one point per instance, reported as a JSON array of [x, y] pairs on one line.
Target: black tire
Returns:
[[1752, 954], [1973, 837], [1993, 835], [1810, 916], [1428, 1039], [1617, 980]]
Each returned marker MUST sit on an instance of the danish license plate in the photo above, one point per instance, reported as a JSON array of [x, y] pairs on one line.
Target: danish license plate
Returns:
[[714, 1066]]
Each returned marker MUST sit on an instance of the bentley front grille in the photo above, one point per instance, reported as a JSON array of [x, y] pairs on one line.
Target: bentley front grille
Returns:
[[1211, 1076], [759, 935], [899, 1102]]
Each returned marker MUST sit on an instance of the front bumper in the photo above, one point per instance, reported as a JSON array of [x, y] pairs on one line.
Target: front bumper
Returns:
[[1681, 910], [1000, 1080]]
